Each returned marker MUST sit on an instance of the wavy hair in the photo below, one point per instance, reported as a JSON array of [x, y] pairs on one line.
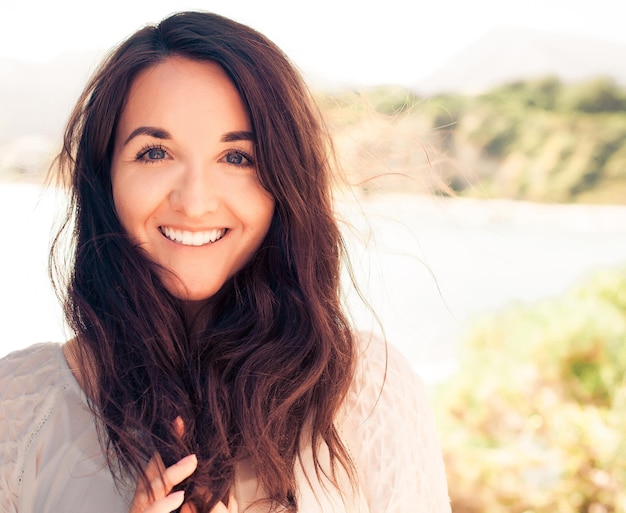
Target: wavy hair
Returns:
[[264, 371]]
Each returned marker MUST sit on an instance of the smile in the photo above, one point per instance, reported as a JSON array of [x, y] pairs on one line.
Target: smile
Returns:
[[187, 238]]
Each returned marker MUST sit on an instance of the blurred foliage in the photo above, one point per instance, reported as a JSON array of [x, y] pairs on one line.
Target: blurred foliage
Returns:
[[534, 420], [539, 140]]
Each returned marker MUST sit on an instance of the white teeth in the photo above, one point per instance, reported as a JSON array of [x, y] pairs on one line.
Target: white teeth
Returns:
[[188, 238]]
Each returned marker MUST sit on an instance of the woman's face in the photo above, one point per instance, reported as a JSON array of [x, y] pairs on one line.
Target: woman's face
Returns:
[[184, 177]]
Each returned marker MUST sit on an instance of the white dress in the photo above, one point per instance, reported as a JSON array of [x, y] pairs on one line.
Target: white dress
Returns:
[[51, 460]]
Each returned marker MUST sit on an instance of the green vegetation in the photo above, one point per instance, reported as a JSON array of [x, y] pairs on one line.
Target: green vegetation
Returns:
[[534, 421], [539, 140]]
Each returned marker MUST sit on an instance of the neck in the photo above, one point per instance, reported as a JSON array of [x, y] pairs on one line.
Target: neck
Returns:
[[194, 311], [80, 364], [70, 352]]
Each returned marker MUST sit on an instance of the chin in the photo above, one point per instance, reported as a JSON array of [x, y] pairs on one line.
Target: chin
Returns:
[[193, 297], [192, 294]]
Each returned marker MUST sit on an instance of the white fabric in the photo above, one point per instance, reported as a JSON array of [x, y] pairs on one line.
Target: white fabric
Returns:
[[51, 461]]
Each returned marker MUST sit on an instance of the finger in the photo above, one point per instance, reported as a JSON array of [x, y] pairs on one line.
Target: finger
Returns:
[[155, 467], [141, 503], [162, 479], [232, 504], [180, 471], [167, 504], [154, 470], [161, 482], [179, 426]]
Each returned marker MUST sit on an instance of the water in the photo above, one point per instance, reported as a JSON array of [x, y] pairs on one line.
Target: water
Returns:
[[436, 264], [426, 265]]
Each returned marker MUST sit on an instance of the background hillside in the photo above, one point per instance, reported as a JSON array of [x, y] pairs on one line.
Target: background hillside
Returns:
[[539, 140]]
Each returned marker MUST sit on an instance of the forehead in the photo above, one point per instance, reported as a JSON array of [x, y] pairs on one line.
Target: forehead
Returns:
[[178, 86]]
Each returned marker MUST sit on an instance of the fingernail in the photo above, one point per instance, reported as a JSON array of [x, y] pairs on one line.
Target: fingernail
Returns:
[[179, 496], [188, 459]]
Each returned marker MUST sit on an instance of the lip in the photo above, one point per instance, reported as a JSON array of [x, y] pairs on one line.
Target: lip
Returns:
[[192, 237]]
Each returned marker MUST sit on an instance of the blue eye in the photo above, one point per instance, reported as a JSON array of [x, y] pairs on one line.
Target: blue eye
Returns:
[[152, 154], [155, 154], [238, 158]]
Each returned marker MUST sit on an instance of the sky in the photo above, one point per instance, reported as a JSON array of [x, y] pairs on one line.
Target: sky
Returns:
[[340, 41]]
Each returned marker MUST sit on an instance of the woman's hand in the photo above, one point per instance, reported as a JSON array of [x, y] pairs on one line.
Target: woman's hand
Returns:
[[162, 480]]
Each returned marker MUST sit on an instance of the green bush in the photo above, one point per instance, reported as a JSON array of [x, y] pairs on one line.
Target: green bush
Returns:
[[542, 93], [535, 419], [600, 95]]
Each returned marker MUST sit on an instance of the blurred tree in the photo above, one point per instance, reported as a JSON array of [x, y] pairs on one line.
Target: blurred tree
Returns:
[[600, 95], [535, 418]]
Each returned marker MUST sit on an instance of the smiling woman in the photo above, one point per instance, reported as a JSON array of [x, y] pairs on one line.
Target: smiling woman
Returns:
[[184, 178], [213, 367]]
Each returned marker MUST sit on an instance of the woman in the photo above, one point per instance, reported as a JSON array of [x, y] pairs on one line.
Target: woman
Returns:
[[213, 368]]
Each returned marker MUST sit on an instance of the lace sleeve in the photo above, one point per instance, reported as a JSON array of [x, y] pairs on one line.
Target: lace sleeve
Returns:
[[392, 437]]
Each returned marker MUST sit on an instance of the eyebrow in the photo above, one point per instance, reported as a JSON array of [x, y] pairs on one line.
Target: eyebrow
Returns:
[[237, 136], [159, 133]]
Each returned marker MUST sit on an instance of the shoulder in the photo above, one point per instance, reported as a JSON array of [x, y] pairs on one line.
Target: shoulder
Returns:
[[29, 374], [31, 383], [390, 432], [382, 377], [31, 356]]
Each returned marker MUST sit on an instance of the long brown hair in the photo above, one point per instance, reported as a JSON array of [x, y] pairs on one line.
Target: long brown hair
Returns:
[[264, 373]]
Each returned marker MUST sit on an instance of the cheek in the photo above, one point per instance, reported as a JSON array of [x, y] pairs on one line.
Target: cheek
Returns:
[[131, 205], [265, 215], [121, 204], [118, 187]]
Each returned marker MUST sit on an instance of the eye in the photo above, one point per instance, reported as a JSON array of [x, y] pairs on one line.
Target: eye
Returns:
[[152, 154], [238, 158]]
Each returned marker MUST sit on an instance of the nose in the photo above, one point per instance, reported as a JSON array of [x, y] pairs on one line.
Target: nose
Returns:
[[196, 191]]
